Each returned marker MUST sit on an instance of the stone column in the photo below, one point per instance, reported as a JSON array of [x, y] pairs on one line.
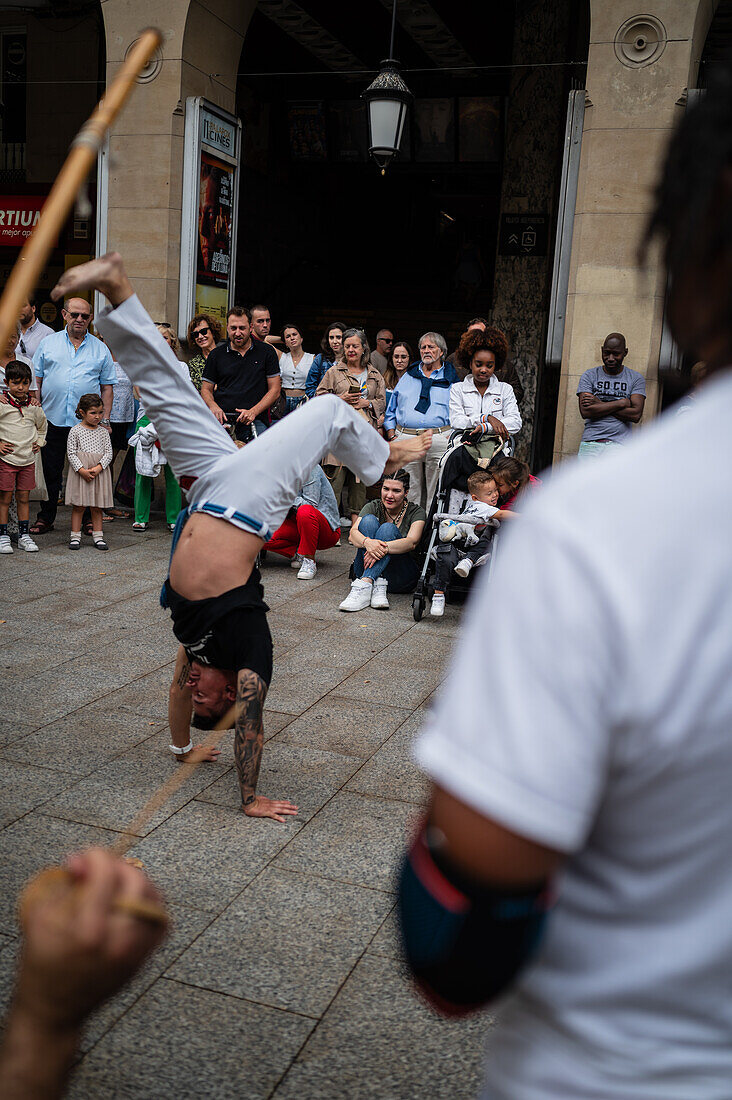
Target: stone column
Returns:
[[537, 106], [200, 56], [639, 67]]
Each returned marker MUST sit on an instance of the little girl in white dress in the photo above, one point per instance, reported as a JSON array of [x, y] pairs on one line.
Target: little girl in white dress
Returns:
[[89, 483]]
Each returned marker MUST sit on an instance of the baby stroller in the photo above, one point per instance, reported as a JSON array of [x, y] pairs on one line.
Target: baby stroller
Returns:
[[456, 466]]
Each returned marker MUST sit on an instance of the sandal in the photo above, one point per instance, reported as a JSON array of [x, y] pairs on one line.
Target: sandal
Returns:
[[87, 528], [100, 544], [40, 527], [139, 527], [116, 513]]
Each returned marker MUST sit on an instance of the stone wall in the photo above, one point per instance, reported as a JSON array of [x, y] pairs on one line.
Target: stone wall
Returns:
[[537, 108]]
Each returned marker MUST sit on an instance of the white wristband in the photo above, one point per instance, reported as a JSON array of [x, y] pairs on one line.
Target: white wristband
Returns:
[[181, 752]]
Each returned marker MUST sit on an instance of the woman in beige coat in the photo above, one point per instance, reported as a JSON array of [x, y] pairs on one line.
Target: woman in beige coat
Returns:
[[361, 385]]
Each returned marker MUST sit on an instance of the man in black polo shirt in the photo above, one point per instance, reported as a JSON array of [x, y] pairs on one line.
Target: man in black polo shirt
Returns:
[[245, 374]]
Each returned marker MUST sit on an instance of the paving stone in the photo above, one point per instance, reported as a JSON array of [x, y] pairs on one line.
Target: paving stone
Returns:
[[31, 843], [186, 925], [298, 691], [344, 725], [375, 683], [353, 839], [81, 742], [204, 855], [298, 957], [379, 1041], [23, 787], [147, 695], [390, 773], [308, 777], [112, 795], [179, 1042]]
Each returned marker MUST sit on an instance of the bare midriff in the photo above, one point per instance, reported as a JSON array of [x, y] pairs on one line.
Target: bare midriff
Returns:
[[212, 557]]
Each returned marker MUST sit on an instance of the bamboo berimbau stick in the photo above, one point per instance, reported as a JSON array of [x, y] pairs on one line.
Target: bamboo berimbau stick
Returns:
[[76, 168]]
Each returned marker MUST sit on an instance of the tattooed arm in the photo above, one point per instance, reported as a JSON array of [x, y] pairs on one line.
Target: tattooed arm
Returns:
[[248, 744], [180, 709]]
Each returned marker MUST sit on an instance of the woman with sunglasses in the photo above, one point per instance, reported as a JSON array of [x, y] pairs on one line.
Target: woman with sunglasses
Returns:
[[204, 333]]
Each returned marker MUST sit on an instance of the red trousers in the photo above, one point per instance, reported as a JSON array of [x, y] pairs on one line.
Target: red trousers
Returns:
[[304, 533]]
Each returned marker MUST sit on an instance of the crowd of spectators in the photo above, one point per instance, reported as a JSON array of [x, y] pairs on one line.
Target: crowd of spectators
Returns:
[[249, 378]]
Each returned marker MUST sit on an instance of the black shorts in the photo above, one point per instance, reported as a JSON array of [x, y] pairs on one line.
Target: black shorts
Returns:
[[239, 639], [229, 631]]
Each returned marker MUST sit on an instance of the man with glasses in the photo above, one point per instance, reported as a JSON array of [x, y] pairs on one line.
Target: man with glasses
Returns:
[[68, 364], [384, 344]]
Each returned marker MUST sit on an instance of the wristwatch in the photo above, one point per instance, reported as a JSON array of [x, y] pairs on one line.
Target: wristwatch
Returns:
[[106, 422]]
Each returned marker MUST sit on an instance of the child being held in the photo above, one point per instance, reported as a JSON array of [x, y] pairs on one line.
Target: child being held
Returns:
[[22, 433], [464, 539], [89, 484]]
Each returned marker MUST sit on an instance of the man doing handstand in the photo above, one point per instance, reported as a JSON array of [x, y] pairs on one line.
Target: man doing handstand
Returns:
[[213, 588]]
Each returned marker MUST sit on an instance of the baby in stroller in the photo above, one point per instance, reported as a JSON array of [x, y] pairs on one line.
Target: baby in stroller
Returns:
[[464, 538]]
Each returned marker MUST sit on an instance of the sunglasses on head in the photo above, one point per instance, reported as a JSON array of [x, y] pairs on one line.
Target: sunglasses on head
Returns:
[[76, 316], [201, 332], [163, 324]]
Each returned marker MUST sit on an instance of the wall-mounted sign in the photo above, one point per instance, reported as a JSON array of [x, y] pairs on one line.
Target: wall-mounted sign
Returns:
[[212, 146], [523, 235], [19, 215]]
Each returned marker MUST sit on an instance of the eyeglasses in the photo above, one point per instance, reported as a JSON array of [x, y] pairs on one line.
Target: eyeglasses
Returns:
[[76, 316], [163, 324], [199, 332]]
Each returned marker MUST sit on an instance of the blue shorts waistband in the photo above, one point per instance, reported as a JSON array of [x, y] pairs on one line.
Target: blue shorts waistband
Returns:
[[231, 515]]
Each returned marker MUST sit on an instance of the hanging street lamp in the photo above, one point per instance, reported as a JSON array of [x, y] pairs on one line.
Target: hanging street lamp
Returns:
[[387, 99]]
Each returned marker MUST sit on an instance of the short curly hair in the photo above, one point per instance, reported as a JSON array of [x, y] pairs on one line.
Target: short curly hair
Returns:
[[212, 323], [474, 341]]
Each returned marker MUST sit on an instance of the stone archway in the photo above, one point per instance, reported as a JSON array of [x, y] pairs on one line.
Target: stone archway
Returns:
[[200, 56]]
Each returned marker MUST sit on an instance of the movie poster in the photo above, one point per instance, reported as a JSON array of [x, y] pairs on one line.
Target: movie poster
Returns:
[[215, 217], [307, 131]]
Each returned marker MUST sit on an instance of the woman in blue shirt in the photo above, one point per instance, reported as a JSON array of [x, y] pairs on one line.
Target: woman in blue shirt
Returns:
[[331, 351]]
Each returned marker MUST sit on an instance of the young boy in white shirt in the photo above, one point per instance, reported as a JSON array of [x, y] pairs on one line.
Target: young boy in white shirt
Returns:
[[464, 538], [22, 434]]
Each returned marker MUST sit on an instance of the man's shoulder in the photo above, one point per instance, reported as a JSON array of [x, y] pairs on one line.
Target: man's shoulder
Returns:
[[587, 378]]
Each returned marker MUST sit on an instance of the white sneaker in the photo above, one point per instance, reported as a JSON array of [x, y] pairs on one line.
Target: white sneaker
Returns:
[[296, 562], [308, 569], [25, 542], [447, 530], [5, 546], [438, 605], [378, 594], [359, 598], [463, 567]]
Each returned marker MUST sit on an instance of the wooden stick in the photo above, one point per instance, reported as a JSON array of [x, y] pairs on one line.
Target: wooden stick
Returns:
[[170, 786], [78, 164]]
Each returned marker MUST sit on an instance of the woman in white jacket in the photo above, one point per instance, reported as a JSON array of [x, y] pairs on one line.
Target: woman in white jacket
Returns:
[[480, 401]]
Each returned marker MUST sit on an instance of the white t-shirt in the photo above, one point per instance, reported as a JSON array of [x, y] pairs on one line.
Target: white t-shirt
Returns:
[[293, 377], [610, 739]]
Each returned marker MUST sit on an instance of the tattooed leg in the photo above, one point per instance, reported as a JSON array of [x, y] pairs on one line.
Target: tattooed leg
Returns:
[[248, 745], [180, 709]]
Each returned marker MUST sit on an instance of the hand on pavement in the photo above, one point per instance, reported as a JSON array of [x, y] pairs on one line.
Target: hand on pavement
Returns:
[[269, 807]]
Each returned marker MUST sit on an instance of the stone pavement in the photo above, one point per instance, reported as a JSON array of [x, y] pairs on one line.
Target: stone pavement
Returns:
[[282, 977]]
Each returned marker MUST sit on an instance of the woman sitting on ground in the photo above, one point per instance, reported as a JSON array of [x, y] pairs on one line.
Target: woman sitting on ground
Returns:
[[295, 366], [331, 351], [313, 524], [386, 534], [480, 402], [204, 333]]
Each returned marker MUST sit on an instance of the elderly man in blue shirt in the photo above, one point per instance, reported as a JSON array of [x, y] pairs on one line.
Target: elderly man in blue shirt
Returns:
[[421, 401], [68, 364]]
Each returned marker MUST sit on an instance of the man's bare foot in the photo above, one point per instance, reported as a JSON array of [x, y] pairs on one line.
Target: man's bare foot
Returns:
[[106, 274], [269, 807], [407, 449]]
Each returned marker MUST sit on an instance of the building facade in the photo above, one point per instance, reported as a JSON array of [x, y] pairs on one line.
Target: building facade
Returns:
[[465, 223]]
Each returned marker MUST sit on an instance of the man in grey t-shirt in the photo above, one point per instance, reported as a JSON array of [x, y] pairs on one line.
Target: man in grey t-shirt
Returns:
[[611, 398]]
